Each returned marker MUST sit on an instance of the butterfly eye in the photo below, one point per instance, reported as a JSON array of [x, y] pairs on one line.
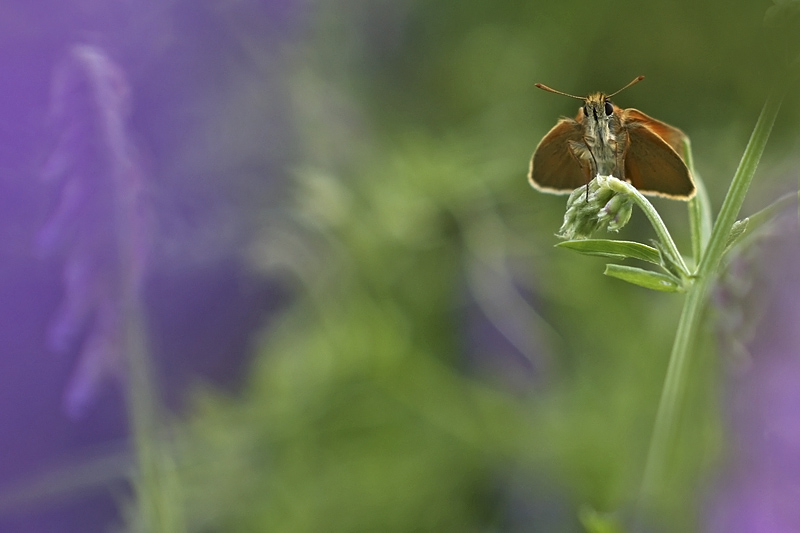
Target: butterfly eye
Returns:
[[609, 109]]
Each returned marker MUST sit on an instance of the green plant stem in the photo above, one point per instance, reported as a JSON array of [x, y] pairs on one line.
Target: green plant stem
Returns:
[[155, 480], [655, 220], [740, 185], [697, 295], [673, 389], [699, 208]]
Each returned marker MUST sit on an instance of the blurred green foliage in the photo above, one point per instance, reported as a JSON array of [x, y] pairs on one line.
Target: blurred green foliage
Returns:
[[373, 404]]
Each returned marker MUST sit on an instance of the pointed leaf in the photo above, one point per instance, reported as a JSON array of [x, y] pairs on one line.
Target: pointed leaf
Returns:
[[644, 278], [738, 230], [757, 221], [614, 249]]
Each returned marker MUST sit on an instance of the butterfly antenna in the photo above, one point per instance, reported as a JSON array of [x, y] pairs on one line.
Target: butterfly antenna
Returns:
[[634, 82], [548, 89]]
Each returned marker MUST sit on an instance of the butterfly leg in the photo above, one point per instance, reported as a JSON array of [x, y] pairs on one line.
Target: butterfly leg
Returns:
[[583, 155]]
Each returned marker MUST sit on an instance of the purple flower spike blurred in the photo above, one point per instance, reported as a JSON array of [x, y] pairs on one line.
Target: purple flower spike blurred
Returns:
[[99, 225], [760, 492]]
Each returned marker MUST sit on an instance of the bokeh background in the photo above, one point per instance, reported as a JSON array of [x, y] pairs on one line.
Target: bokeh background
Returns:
[[353, 303]]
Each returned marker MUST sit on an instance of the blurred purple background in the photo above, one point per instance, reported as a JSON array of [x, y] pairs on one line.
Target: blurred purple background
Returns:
[[758, 489], [176, 69], [201, 138]]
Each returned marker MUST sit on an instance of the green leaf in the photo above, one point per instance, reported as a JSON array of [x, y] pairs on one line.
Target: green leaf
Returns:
[[644, 278], [737, 232], [614, 249], [757, 221], [594, 522]]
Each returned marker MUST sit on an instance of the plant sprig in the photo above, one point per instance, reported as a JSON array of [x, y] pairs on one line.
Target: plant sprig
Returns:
[[710, 243]]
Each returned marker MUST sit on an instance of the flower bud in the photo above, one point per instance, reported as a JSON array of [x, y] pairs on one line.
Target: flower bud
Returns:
[[600, 205]]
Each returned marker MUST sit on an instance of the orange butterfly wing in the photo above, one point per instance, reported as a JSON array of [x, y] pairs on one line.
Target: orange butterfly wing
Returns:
[[553, 167], [653, 160], [671, 135]]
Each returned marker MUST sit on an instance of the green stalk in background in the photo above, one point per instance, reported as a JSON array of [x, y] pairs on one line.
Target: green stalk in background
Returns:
[[697, 294]]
